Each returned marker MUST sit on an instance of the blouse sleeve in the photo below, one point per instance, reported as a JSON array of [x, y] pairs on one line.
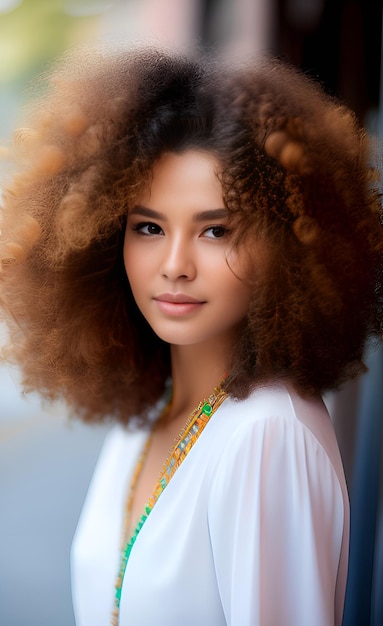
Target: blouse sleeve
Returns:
[[276, 517]]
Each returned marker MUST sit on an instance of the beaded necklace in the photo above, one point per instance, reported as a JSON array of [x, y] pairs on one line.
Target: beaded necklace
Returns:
[[187, 438]]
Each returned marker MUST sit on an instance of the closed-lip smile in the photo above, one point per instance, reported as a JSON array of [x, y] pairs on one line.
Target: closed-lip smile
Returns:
[[178, 304], [178, 298]]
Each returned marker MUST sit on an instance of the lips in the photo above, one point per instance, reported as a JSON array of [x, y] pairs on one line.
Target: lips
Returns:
[[178, 304], [178, 298]]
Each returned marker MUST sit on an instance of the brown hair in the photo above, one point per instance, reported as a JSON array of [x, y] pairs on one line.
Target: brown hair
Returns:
[[297, 181]]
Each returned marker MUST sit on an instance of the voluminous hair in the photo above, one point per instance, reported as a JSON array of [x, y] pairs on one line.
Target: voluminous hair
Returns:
[[298, 183]]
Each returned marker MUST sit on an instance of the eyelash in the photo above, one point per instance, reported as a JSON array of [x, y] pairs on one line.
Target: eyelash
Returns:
[[139, 229], [225, 231]]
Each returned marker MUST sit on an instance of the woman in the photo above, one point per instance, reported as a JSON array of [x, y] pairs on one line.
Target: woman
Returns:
[[193, 250]]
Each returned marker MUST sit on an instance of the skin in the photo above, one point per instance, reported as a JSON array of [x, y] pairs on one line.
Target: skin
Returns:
[[186, 280]]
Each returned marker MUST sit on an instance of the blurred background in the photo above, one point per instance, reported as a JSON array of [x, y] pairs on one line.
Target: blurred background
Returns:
[[46, 459]]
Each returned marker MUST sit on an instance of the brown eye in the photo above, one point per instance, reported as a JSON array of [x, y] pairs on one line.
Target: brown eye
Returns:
[[148, 228], [153, 229], [215, 232]]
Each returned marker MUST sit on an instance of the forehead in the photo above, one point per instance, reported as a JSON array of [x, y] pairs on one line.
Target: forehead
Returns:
[[188, 176]]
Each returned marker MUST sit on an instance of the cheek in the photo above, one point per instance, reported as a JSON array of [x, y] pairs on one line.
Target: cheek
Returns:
[[236, 295], [139, 271], [242, 302], [127, 264], [134, 265]]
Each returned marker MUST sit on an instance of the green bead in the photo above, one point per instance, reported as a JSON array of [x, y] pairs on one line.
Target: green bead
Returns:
[[207, 409]]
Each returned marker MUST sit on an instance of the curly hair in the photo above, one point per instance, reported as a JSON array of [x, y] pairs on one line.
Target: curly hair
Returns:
[[298, 184]]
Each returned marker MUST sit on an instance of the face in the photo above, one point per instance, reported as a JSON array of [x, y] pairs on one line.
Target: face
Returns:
[[178, 254]]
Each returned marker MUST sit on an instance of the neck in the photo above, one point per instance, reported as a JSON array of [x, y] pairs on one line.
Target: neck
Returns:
[[196, 371]]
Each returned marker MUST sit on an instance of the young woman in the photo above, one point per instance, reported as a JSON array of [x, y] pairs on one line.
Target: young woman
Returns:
[[193, 251]]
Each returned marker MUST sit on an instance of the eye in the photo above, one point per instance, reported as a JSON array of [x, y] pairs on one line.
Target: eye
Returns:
[[147, 229], [216, 232]]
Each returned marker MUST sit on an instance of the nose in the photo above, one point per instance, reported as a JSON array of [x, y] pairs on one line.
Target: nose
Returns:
[[178, 261]]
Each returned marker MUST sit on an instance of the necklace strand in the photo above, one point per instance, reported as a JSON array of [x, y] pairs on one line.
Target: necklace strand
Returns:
[[187, 438]]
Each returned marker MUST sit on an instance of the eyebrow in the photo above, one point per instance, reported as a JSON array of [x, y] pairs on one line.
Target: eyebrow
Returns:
[[201, 216]]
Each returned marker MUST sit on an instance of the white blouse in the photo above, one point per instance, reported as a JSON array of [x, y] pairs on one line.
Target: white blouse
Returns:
[[252, 530]]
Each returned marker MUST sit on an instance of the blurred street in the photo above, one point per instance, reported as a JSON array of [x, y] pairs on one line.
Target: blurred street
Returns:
[[46, 462]]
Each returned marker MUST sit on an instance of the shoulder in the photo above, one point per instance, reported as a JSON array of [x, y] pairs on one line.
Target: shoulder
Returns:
[[275, 404], [281, 448], [278, 426], [278, 509]]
